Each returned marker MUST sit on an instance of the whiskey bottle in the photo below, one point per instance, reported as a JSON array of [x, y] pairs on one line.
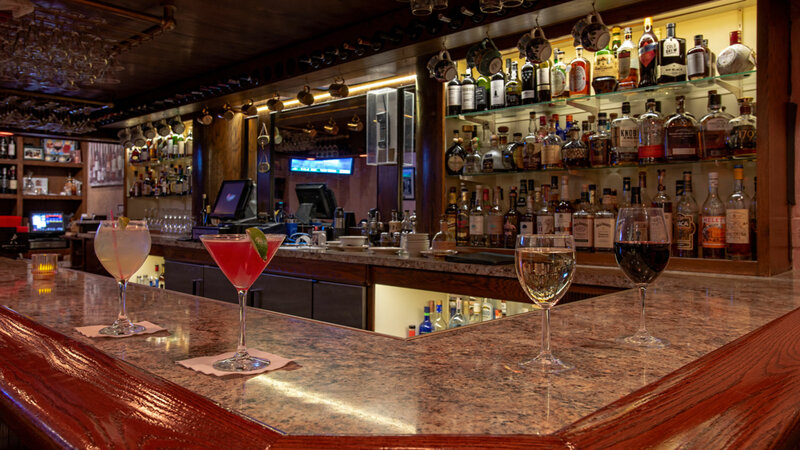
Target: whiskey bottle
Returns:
[[476, 219], [662, 200], [604, 225], [494, 221], [671, 57], [742, 138], [737, 219], [580, 74], [604, 78], [644, 199], [686, 225], [455, 156], [543, 87], [563, 211], [468, 92], [681, 135], [473, 162], [697, 60], [527, 222], [714, 129], [516, 150], [713, 223], [545, 221], [532, 152], [651, 135], [583, 223], [626, 193], [497, 96], [528, 76], [522, 198], [451, 211], [462, 219], [648, 56], [558, 76], [453, 97], [551, 147], [513, 88], [624, 139], [574, 152], [627, 63], [511, 220], [600, 143], [12, 180]]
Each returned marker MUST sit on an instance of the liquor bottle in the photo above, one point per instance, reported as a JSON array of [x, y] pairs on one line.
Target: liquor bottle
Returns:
[[468, 92], [426, 326], [513, 88], [455, 156], [558, 76], [528, 78], [551, 147], [574, 152], [482, 92], [714, 129], [494, 222], [453, 97], [697, 60], [476, 315], [497, 96], [517, 151], [412, 331], [543, 86], [681, 135], [627, 63], [439, 321], [626, 193], [600, 143], [624, 139], [493, 159], [686, 224], [545, 220], [583, 223], [476, 219], [527, 222], [532, 152], [588, 130], [4, 181], [451, 210], [648, 56], [636, 197], [457, 318], [4, 147], [604, 79], [713, 223], [564, 209], [737, 219], [132, 190], [672, 57], [445, 239], [754, 221], [462, 220], [522, 198], [12, 148], [580, 74], [644, 199], [473, 162], [604, 224], [511, 220], [134, 158], [560, 132], [12, 180], [735, 58], [651, 135], [487, 310], [742, 138], [506, 149], [662, 200]]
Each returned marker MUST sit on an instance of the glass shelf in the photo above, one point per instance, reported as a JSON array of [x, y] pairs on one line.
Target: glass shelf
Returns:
[[736, 83], [159, 162], [727, 162]]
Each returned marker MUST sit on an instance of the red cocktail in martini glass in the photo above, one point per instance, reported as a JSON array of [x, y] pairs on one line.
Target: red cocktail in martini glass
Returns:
[[237, 257]]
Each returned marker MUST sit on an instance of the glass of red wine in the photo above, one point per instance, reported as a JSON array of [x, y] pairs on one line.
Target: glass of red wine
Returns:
[[641, 248]]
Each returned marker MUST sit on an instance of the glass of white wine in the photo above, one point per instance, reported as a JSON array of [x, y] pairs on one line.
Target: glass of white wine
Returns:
[[545, 266], [122, 247]]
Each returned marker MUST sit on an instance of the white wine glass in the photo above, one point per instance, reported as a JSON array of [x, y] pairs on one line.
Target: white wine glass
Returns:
[[122, 249], [641, 248], [545, 266]]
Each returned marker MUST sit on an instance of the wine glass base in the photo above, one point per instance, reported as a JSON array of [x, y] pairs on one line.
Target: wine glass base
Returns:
[[546, 363], [643, 340], [241, 363], [121, 328]]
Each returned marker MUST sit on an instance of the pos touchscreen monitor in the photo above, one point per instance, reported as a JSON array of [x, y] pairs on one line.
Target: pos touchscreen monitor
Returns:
[[232, 199], [318, 195]]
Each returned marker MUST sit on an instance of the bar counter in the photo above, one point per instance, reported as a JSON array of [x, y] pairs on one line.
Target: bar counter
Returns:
[[715, 383]]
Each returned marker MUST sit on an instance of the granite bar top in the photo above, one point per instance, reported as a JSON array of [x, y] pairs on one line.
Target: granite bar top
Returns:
[[463, 381]]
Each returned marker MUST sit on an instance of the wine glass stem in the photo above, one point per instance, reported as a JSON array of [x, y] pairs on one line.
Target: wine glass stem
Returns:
[[123, 313], [546, 332], [242, 348], [642, 293]]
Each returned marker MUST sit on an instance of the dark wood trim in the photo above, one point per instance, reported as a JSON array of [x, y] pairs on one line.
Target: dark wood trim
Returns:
[[454, 283], [430, 148]]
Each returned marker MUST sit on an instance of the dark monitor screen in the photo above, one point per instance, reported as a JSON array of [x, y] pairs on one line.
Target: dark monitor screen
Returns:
[[318, 195], [232, 199], [47, 222]]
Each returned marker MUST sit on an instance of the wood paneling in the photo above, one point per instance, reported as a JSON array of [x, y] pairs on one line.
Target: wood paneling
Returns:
[[430, 148], [221, 147], [320, 270]]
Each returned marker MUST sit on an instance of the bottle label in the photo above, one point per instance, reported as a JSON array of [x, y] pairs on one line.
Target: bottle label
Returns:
[[545, 224], [671, 47], [558, 82], [454, 95], [480, 97], [510, 228], [563, 223], [651, 151], [526, 227], [625, 63], [696, 63], [12, 184], [673, 70], [551, 154], [685, 229], [543, 77], [531, 155], [626, 136], [682, 141], [468, 97], [583, 231], [604, 66], [455, 163], [647, 54], [713, 231], [668, 220], [494, 225], [659, 231], [498, 97], [528, 94], [577, 78], [737, 226], [716, 124], [475, 225], [604, 233], [488, 163]]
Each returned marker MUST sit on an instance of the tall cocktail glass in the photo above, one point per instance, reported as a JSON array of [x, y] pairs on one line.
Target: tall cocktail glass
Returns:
[[241, 263], [122, 247]]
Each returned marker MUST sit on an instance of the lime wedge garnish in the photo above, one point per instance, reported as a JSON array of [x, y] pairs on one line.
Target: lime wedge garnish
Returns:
[[123, 222], [259, 241]]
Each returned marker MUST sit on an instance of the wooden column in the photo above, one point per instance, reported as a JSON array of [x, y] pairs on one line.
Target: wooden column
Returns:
[[218, 155], [430, 148]]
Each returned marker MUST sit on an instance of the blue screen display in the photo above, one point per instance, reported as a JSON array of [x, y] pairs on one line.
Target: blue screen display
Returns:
[[47, 223], [338, 166]]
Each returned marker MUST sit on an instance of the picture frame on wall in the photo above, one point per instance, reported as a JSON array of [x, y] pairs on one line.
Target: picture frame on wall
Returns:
[[106, 164], [408, 183], [33, 153]]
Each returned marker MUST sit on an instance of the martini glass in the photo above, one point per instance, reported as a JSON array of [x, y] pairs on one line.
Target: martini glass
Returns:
[[122, 250], [240, 262]]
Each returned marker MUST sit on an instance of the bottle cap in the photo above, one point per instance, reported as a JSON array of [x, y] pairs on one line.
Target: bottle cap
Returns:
[[626, 107]]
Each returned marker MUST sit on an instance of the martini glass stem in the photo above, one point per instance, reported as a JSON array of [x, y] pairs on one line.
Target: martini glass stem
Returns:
[[241, 350]]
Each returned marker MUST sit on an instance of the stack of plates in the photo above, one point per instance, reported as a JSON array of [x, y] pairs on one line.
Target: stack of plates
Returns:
[[416, 243]]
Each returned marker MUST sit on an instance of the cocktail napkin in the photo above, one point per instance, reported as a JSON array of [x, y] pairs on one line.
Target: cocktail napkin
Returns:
[[205, 364], [93, 331]]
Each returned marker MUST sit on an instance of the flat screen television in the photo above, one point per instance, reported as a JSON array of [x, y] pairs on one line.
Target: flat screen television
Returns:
[[319, 195], [232, 199], [335, 166], [46, 223]]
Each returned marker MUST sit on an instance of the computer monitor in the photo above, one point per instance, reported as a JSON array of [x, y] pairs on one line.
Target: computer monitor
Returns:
[[46, 223], [319, 196], [232, 199]]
